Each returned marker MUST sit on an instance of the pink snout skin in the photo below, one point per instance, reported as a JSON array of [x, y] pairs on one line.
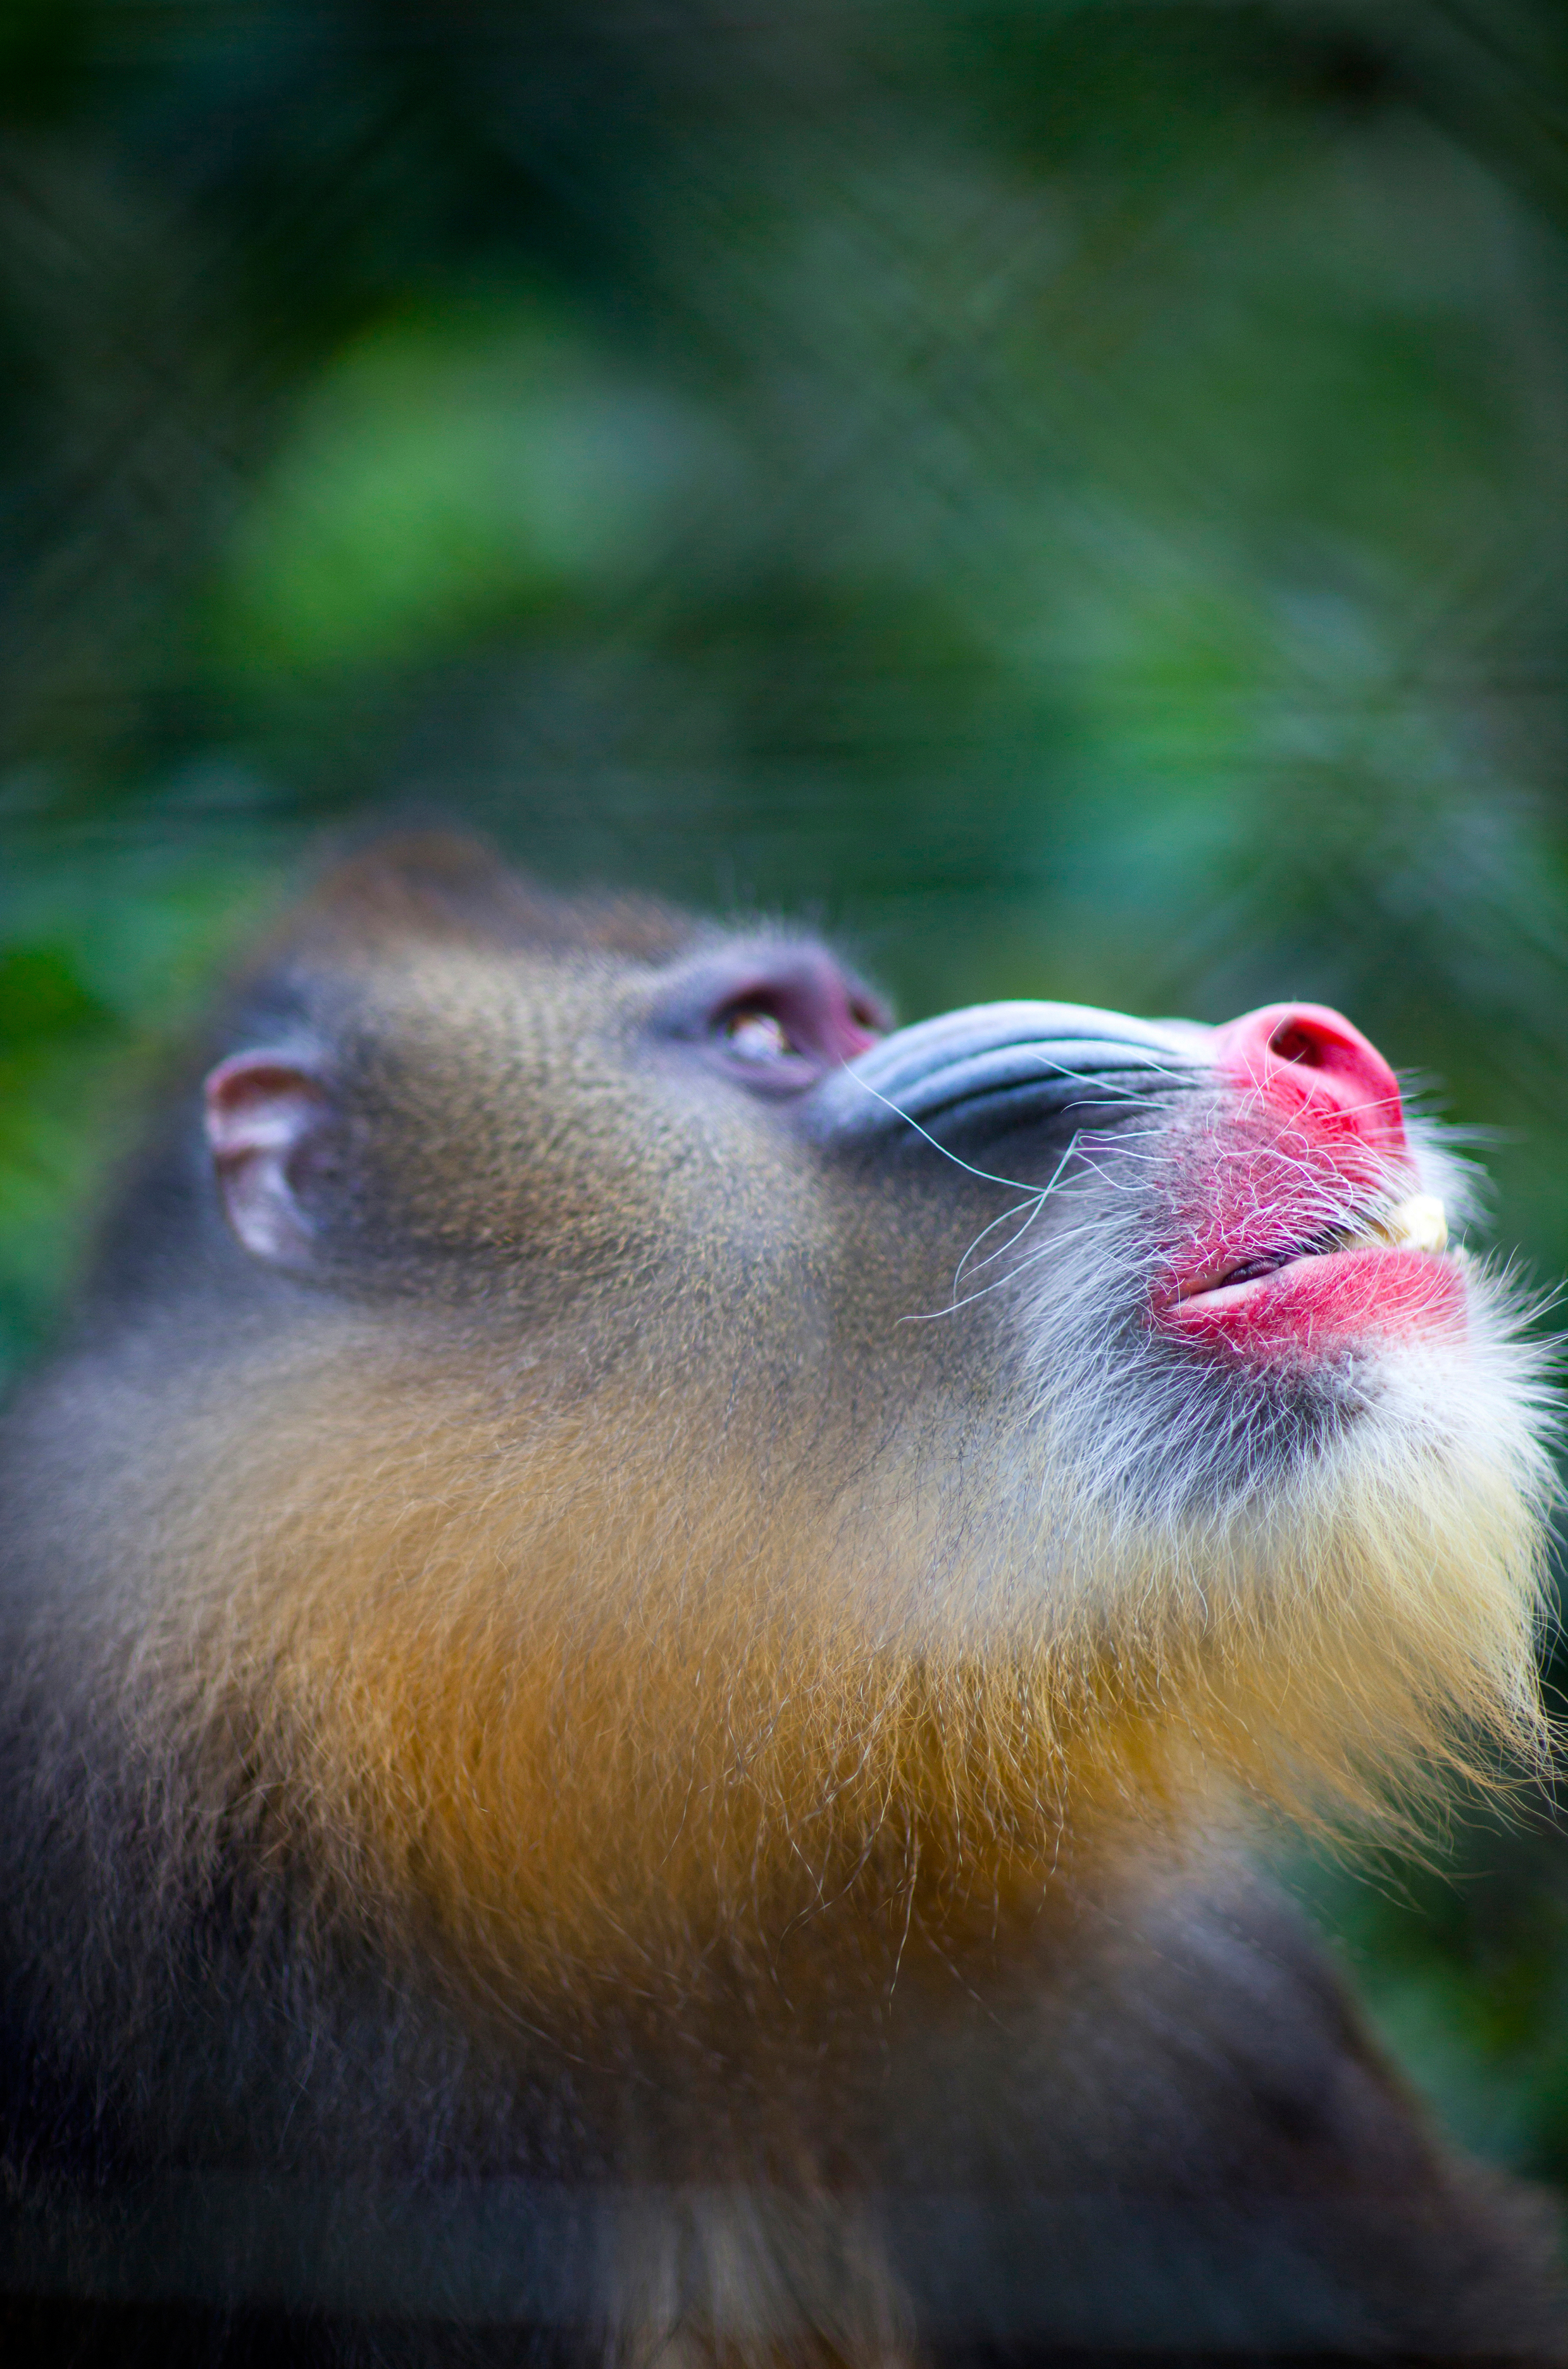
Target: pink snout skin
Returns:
[[1309, 1065], [1328, 1101]]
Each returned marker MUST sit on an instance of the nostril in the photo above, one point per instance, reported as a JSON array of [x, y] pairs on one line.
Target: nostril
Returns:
[[1291, 1043], [1308, 1060]]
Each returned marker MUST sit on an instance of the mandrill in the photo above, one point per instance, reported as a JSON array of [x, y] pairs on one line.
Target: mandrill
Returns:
[[643, 1626]]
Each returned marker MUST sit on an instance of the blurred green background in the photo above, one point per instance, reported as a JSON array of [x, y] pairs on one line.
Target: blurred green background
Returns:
[[1074, 497]]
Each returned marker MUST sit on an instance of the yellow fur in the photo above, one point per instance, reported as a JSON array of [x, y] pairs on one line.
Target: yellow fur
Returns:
[[561, 1709]]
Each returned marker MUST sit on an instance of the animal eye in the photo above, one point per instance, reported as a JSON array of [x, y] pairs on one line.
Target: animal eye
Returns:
[[756, 1035], [774, 1018]]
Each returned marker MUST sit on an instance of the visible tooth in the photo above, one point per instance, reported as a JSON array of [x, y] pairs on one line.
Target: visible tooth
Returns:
[[1419, 1224]]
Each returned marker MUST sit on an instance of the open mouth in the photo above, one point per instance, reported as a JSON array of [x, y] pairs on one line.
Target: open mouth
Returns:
[[1378, 1278], [1419, 1223]]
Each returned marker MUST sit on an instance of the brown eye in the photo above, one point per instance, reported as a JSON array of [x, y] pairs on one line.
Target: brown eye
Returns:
[[754, 1036]]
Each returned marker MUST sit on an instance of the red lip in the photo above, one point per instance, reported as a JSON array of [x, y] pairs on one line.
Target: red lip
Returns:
[[1326, 1301]]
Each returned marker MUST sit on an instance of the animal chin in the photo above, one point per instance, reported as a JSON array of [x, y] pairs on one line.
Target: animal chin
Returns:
[[1354, 1286]]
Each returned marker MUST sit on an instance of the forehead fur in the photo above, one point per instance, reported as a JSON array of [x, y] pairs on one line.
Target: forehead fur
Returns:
[[441, 889]]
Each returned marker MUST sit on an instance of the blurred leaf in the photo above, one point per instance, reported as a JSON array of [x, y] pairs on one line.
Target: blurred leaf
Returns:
[[445, 472], [44, 1002]]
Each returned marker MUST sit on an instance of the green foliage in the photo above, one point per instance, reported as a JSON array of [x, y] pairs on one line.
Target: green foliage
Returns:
[[446, 474], [1073, 493], [1462, 1966]]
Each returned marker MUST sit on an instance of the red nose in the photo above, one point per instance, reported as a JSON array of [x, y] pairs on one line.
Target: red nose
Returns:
[[1305, 1062]]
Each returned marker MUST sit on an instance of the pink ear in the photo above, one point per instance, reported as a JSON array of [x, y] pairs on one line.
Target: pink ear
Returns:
[[262, 1110]]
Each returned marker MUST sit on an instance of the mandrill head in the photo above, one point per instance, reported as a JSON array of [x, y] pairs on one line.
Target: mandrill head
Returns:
[[672, 1455]]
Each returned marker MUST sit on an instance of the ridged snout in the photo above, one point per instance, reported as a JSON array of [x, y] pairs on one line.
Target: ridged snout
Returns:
[[994, 1068], [998, 1067]]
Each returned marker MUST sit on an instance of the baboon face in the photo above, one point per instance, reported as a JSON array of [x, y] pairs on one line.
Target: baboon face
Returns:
[[1194, 1259]]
